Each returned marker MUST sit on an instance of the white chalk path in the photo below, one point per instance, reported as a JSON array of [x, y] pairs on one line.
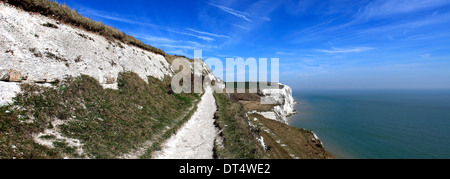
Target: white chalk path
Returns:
[[195, 140]]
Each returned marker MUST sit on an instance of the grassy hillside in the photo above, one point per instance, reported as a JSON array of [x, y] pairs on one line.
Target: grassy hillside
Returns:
[[107, 122], [282, 141], [239, 138], [287, 142]]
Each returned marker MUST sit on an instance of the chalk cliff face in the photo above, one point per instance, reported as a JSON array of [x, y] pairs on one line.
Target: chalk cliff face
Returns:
[[44, 54], [282, 97], [283, 100], [32, 52]]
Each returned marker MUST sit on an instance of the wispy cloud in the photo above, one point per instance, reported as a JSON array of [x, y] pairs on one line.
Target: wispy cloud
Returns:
[[240, 14], [154, 39], [425, 21], [118, 18], [242, 27], [189, 46], [425, 55], [207, 33], [346, 50], [387, 8], [177, 44], [104, 15], [284, 53], [209, 39], [91, 12], [180, 46], [243, 15]]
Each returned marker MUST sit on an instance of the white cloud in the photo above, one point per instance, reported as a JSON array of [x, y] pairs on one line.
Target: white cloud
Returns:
[[425, 21], [210, 34], [284, 53], [105, 15], [189, 47], [154, 39], [393, 7], [425, 55], [242, 15], [347, 50], [245, 15], [118, 18], [189, 34], [242, 27]]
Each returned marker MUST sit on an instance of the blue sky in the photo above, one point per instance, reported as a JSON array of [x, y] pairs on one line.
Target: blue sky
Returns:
[[335, 44]]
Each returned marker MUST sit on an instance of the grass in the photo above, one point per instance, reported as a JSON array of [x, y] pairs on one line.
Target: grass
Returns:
[[108, 122], [16, 137], [239, 138], [64, 14], [298, 141], [184, 99]]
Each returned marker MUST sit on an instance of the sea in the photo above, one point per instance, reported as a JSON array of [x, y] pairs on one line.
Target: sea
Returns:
[[377, 124]]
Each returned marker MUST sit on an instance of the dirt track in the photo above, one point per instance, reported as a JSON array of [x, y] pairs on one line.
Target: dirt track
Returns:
[[195, 140]]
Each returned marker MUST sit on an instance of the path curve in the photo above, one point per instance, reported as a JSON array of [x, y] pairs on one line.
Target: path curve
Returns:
[[195, 140]]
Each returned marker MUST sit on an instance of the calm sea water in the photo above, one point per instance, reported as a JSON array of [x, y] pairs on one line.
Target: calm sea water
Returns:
[[378, 124]]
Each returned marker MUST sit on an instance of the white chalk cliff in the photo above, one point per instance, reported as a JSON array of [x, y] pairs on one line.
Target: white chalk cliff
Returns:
[[283, 100], [41, 54]]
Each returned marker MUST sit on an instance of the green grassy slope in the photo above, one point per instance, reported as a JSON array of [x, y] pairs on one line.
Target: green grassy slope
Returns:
[[108, 122], [239, 138]]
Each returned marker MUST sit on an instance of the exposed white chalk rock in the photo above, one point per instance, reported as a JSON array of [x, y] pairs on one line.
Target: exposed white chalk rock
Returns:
[[7, 92], [45, 54], [283, 100]]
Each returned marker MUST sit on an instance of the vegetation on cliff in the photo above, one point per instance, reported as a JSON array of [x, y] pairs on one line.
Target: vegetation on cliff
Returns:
[[239, 139], [106, 122]]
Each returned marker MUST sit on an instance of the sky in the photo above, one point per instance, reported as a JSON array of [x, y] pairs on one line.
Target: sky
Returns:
[[321, 44]]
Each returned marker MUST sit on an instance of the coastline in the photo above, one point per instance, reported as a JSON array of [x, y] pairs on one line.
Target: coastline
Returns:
[[282, 140]]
